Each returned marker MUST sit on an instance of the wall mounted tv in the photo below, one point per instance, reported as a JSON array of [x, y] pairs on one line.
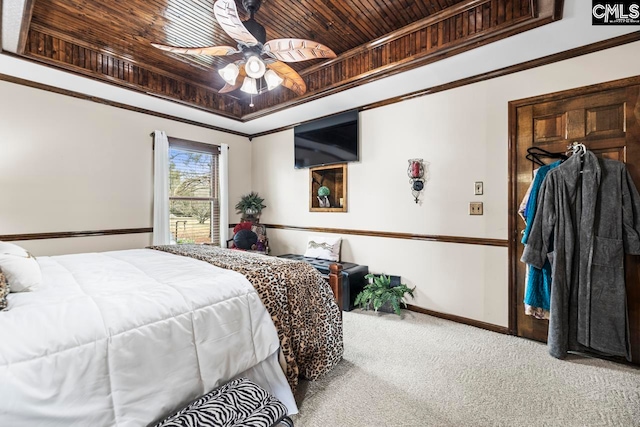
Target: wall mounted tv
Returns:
[[327, 141]]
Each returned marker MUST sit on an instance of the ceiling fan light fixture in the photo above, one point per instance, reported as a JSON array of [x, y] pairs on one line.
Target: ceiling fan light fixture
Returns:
[[255, 67], [249, 86], [229, 73], [273, 79], [252, 42]]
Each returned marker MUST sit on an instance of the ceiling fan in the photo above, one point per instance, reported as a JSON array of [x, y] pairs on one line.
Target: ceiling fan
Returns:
[[246, 73]]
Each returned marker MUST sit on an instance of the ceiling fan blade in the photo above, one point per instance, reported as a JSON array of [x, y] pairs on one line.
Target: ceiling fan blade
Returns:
[[292, 79], [230, 88], [211, 50], [294, 50], [227, 16]]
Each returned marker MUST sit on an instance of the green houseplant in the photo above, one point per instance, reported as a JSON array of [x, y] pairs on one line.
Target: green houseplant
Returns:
[[323, 191], [379, 292], [250, 205]]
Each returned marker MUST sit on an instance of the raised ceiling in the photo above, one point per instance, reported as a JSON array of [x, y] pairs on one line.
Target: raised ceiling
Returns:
[[110, 40]]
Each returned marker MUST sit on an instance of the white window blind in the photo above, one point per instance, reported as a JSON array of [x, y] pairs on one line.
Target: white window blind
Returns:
[[194, 207]]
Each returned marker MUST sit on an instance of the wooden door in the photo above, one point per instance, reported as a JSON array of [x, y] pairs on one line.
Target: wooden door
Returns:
[[607, 121]]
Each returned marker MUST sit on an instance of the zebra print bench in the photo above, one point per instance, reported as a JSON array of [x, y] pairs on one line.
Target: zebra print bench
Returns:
[[240, 403]]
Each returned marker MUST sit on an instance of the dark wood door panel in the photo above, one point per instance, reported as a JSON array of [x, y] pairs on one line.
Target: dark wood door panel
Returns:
[[613, 153], [550, 128], [589, 118], [605, 122], [608, 123], [594, 100]]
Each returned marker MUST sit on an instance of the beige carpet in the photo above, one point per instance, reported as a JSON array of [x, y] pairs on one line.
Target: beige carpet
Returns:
[[425, 371]]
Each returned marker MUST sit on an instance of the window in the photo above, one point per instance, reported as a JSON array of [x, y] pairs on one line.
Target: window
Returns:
[[194, 207]]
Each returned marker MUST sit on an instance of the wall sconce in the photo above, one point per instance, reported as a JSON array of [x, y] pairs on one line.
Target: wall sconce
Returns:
[[416, 177]]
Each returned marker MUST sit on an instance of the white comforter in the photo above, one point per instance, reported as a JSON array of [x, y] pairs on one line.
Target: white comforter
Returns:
[[122, 338]]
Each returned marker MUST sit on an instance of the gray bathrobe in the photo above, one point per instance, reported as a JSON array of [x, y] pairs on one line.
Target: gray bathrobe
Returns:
[[584, 224]]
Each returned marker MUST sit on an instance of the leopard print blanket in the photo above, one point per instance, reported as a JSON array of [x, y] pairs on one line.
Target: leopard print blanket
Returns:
[[4, 291], [299, 300]]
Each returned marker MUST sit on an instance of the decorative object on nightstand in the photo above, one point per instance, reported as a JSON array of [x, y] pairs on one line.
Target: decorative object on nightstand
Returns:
[[250, 206], [380, 294], [416, 172]]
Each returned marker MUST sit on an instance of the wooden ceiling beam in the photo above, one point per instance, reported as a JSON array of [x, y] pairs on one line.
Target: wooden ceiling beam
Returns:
[[103, 66], [215, 82], [412, 28]]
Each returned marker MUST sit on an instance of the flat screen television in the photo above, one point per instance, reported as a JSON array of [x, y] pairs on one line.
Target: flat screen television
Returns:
[[327, 141]]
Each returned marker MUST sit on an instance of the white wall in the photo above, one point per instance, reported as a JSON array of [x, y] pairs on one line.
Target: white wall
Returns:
[[463, 134], [68, 164]]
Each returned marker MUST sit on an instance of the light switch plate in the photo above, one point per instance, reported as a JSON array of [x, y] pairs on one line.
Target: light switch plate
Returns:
[[475, 208], [478, 188]]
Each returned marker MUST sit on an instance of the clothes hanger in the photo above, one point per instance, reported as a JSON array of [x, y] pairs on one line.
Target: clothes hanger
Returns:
[[576, 147], [534, 158], [580, 149], [535, 154], [544, 153]]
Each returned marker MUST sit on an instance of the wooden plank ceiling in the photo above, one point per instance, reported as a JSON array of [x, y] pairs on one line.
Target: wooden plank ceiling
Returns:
[[110, 40]]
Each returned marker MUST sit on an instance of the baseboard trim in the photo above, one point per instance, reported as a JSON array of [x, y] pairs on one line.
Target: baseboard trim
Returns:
[[68, 234], [394, 235], [460, 319]]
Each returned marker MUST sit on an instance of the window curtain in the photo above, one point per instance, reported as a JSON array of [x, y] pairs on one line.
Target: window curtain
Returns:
[[161, 234], [224, 194]]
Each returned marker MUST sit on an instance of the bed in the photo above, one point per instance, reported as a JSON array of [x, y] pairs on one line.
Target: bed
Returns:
[[124, 338]]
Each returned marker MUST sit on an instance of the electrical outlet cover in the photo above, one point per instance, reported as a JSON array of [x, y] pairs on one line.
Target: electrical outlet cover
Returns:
[[475, 208]]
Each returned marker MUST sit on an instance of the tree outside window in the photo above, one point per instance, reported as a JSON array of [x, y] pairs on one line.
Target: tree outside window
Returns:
[[193, 195]]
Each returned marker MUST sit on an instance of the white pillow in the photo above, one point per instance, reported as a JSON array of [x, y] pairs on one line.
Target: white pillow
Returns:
[[20, 268], [324, 248], [10, 248]]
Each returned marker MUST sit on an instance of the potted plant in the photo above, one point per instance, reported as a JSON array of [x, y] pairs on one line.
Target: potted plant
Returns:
[[323, 197], [250, 206], [381, 295]]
